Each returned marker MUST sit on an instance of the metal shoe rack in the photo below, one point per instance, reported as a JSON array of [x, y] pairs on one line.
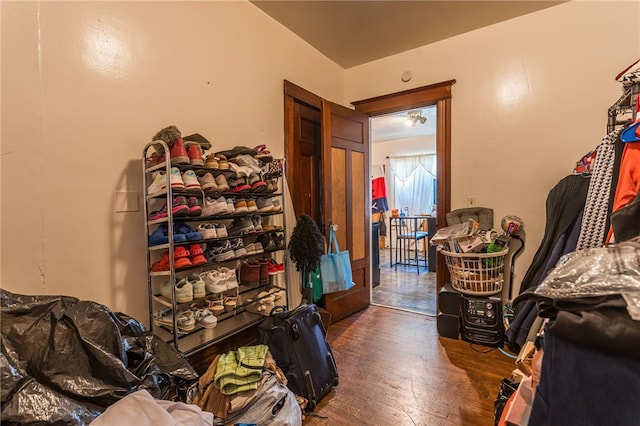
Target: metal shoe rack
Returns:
[[229, 322]]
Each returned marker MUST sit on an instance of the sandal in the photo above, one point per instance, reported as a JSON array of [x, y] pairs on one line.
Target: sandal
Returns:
[[215, 306], [185, 319], [230, 303]]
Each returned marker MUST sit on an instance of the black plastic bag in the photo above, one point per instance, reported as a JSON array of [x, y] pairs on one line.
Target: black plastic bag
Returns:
[[507, 388], [64, 361]]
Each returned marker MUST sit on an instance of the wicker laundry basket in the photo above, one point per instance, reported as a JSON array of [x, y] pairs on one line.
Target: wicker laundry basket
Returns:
[[476, 274]]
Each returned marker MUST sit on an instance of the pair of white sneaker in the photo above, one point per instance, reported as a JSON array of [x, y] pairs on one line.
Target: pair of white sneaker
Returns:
[[178, 180], [217, 206], [220, 280], [212, 230]]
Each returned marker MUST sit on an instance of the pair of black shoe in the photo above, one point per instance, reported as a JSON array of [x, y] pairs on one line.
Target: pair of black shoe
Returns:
[[272, 241]]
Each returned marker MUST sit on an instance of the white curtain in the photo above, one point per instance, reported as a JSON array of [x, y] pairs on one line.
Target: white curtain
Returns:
[[412, 183]]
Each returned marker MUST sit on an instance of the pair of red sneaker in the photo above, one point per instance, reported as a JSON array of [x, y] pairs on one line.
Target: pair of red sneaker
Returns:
[[275, 267], [189, 153], [182, 258]]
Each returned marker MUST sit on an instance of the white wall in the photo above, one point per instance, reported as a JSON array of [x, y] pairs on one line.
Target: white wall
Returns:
[[85, 85], [530, 100], [399, 147]]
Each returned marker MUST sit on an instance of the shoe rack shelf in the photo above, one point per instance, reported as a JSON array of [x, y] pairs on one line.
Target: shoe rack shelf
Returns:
[[248, 297]]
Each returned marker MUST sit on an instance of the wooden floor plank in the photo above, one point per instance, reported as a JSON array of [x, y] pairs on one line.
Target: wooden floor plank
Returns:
[[395, 370]]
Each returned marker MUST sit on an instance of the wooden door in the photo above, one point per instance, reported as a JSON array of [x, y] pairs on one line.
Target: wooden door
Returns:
[[307, 193], [346, 199]]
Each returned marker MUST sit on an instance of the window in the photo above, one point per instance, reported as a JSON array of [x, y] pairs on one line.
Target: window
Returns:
[[414, 182]]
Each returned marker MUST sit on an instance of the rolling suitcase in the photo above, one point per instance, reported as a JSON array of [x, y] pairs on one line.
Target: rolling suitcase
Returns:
[[296, 339]]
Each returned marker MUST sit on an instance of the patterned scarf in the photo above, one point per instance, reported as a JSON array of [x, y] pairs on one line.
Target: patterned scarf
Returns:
[[594, 221]]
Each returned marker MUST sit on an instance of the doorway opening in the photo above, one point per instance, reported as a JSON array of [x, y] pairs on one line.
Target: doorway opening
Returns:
[[403, 173], [437, 95]]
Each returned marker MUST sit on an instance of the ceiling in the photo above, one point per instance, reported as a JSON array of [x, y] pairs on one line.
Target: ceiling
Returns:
[[393, 126], [352, 33]]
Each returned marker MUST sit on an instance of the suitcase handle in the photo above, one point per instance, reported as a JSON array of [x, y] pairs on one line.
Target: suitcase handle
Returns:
[[277, 309]]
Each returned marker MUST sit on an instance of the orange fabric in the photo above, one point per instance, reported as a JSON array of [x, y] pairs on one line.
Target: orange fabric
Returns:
[[628, 180], [505, 410]]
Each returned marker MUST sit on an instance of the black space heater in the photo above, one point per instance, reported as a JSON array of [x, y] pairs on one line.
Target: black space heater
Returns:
[[482, 320]]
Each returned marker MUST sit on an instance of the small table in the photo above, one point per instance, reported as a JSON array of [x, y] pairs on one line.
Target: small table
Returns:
[[409, 232]]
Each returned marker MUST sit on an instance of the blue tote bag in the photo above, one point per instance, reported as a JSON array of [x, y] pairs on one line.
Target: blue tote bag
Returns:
[[335, 267]]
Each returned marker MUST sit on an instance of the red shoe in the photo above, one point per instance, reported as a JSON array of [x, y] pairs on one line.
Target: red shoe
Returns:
[[181, 257], [179, 206], [179, 153], [154, 159], [195, 209], [195, 154], [162, 264], [275, 268], [195, 249], [198, 259]]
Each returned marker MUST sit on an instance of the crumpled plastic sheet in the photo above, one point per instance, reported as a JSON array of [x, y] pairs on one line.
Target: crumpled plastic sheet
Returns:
[[599, 271], [64, 361], [460, 230]]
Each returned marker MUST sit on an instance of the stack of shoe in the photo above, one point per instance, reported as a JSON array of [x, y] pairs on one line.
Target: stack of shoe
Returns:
[[235, 151], [280, 296], [265, 303], [263, 154]]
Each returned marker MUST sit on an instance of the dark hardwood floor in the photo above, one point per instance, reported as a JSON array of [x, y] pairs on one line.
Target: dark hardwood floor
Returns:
[[395, 370], [402, 287]]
